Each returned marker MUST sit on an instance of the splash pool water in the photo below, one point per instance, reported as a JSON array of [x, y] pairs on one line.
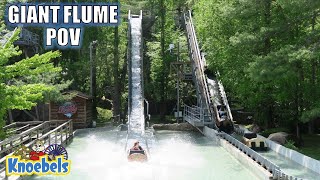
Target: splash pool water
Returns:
[[99, 154]]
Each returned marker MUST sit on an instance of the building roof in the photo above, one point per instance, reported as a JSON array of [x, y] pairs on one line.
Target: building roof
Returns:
[[79, 94]]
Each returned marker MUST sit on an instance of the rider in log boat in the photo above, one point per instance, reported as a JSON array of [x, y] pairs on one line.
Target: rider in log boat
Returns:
[[136, 147], [136, 153]]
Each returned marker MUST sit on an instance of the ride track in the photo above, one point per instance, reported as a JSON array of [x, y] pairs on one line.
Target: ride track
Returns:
[[210, 91], [136, 116], [211, 95]]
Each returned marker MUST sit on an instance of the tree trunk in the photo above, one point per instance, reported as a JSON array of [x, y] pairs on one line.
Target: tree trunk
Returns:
[[124, 73], [269, 121], [313, 75], [313, 81], [299, 99], [43, 111], [93, 85], [267, 19], [123, 84], [10, 116], [267, 48], [116, 84], [37, 112], [299, 138], [162, 42]]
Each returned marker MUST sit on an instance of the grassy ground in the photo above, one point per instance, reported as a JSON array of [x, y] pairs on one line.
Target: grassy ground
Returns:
[[311, 146], [155, 119]]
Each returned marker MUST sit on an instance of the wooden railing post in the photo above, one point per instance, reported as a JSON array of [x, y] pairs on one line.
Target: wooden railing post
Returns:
[[71, 127], [47, 137], [67, 132], [61, 135], [55, 137], [11, 146]]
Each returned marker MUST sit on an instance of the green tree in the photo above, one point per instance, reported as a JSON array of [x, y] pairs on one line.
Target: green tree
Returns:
[[15, 95], [161, 87], [267, 54]]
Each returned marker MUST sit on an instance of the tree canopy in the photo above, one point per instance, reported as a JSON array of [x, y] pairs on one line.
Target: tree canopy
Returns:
[[267, 53]]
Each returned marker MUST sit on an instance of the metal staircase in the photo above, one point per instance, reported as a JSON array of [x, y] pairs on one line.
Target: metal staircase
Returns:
[[212, 105], [28, 40]]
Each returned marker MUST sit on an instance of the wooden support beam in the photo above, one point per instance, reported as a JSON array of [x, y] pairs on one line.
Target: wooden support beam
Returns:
[[29, 114]]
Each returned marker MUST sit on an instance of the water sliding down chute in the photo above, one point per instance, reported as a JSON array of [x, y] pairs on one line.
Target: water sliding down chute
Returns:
[[136, 117]]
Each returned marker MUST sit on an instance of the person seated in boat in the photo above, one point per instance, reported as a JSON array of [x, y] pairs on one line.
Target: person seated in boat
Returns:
[[222, 113], [136, 147]]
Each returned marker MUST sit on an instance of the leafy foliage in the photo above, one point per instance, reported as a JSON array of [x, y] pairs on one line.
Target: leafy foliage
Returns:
[[290, 144], [104, 115], [267, 53], [15, 94]]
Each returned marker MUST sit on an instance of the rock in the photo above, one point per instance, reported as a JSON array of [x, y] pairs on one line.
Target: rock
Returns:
[[279, 137], [175, 127], [255, 128], [123, 127]]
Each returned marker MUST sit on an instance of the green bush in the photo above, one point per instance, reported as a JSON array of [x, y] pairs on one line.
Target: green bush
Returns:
[[10, 132], [3, 135], [6, 133], [2, 132], [290, 144], [170, 119], [267, 132], [104, 115]]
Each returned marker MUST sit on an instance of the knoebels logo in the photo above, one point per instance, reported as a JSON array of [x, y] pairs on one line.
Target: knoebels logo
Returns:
[[16, 166], [38, 161]]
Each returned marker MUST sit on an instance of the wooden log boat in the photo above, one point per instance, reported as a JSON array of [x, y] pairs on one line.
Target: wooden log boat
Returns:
[[137, 156], [254, 142]]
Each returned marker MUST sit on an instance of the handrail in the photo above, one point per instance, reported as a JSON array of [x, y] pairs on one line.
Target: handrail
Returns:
[[17, 124], [9, 125], [67, 125], [18, 129], [200, 61], [129, 68], [224, 98], [21, 123], [149, 116], [17, 137], [195, 51], [140, 14], [201, 78], [58, 131], [251, 153], [195, 113], [129, 15]]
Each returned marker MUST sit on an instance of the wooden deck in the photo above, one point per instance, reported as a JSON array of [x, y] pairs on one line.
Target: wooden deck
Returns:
[[61, 133]]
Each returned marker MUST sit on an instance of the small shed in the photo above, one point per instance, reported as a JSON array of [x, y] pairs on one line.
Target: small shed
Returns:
[[79, 109]]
